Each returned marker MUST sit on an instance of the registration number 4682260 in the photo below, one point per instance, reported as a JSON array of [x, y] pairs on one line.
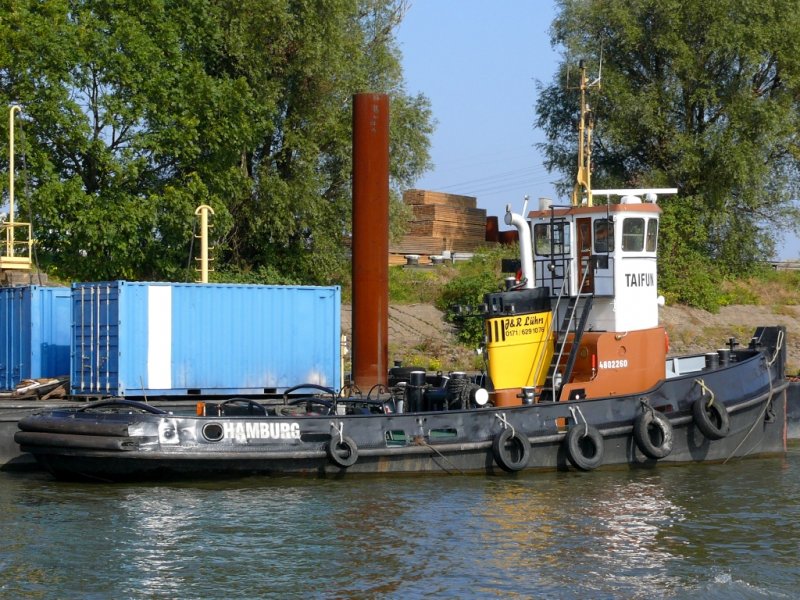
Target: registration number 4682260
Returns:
[[614, 364]]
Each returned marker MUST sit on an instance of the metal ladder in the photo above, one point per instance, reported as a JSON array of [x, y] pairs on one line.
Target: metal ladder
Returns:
[[573, 320]]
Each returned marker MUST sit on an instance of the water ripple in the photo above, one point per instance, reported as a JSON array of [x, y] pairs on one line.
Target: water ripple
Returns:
[[701, 531]]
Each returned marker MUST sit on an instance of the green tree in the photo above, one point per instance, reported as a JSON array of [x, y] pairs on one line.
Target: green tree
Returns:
[[701, 95], [137, 112]]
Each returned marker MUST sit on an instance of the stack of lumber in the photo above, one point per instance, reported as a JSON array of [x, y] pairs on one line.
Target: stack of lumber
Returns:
[[440, 222]]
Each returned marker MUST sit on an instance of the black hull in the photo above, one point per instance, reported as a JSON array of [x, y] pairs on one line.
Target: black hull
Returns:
[[117, 446]]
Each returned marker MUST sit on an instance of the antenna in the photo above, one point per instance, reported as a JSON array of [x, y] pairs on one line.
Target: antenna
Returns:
[[596, 82]]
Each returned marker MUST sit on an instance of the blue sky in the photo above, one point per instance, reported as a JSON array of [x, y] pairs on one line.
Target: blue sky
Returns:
[[478, 63]]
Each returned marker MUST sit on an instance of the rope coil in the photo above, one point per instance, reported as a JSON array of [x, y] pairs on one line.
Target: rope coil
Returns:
[[458, 392]]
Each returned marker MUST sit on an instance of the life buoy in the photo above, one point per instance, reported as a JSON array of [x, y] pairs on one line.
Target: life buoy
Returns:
[[711, 418], [342, 453], [584, 445], [511, 450], [652, 431]]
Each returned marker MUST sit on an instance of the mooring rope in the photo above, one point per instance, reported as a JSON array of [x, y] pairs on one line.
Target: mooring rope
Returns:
[[778, 346], [422, 442], [506, 424], [572, 410], [767, 403], [759, 418], [339, 430], [703, 389], [646, 407]]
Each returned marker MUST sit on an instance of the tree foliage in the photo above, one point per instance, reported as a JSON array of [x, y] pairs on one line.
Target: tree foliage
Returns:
[[462, 296], [137, 112], [701, 95]]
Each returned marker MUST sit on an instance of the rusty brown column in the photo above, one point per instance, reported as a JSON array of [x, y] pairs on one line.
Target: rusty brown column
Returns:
[[370, 239]]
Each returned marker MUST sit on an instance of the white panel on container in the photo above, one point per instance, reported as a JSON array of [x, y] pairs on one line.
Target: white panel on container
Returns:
[[159, 336]]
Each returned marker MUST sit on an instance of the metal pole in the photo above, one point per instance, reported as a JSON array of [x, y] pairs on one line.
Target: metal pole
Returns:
[[203, 210], [10, 228], [370, 267]]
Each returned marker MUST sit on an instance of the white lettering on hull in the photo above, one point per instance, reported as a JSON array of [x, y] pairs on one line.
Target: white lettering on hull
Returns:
[[242, 431]]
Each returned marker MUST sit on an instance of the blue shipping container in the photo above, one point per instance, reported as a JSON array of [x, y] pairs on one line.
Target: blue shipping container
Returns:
[[35, 333], [149, 339]]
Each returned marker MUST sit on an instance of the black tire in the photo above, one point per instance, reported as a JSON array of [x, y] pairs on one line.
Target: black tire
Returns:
[[343, 454], [711, 418], [653, 434], [584, 447], [511, 450]]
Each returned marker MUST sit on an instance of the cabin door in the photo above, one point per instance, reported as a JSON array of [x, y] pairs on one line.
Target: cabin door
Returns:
[[584, 244]]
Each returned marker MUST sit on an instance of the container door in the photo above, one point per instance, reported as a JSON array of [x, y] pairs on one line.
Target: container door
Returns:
[[50, 331], [14, 314], [95, 363]]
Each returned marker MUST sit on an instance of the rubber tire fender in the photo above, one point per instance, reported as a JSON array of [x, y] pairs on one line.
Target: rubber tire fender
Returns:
[[713, 421], [574, 441], [503, 446], [641, 433], [343, 454]]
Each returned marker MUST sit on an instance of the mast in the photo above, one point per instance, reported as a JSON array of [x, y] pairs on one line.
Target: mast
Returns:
[[583, 180]]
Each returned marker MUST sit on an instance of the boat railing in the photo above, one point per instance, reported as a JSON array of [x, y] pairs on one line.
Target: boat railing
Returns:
[[17, 251]]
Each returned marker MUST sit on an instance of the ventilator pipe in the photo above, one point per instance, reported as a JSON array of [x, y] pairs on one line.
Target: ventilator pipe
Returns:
[[526, 257]]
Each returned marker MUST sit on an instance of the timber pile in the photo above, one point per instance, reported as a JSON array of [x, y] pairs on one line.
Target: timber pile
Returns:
[[440, 222]]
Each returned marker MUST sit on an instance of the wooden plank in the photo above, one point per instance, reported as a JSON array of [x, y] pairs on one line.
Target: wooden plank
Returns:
[[411, 244], [426, 247], [442, 212], [429, 197], [443, 229], [400, 259], [431, 246], [480, 226]]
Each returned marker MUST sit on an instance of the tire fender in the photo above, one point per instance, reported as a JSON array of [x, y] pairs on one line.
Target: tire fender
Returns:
[[342, 453], [511, 450], [711, 418], [647, 423], [584, 444]]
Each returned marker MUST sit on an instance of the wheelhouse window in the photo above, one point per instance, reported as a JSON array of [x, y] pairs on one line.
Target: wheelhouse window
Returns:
[[603, 236], [652, 235], [551, 238], [633, 234]]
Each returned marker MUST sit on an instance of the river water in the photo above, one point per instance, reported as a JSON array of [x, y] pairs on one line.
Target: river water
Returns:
[[698, 531]]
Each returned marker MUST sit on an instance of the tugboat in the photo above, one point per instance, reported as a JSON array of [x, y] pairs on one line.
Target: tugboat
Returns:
[[578, 377]]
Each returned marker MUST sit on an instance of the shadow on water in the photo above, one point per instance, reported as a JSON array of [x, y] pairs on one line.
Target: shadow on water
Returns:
[[699, 531]]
